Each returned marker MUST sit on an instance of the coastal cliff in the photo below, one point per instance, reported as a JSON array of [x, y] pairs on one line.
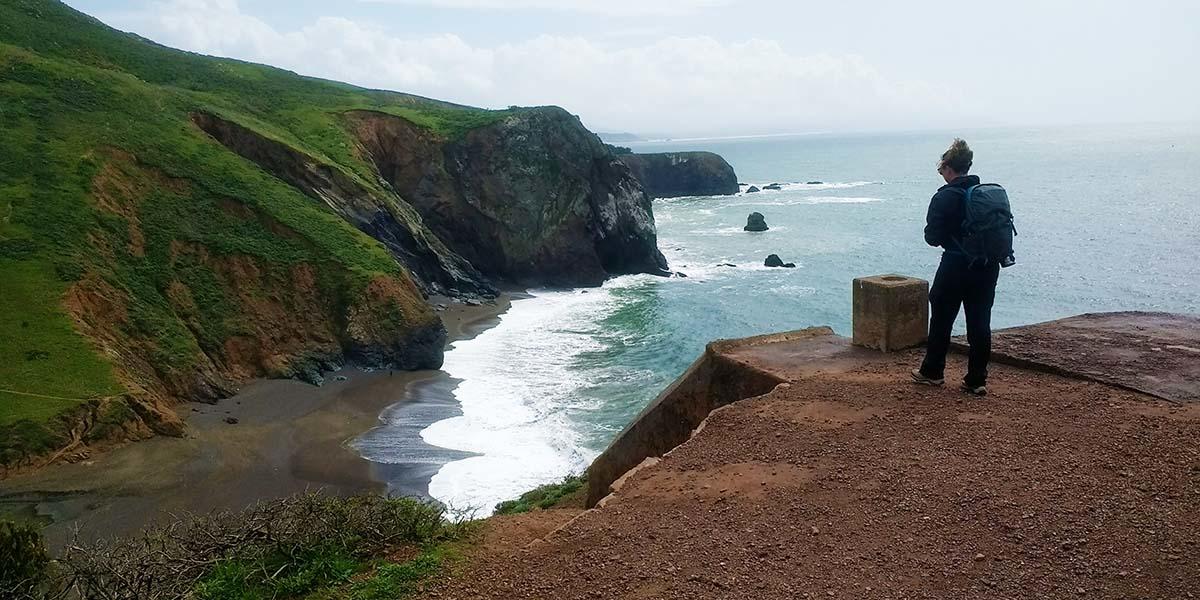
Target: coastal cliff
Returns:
[[673, 174], [175, 225], [380, 214], [532, 198]]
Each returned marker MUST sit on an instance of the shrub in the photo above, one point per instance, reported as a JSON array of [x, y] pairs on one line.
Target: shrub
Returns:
[[543, 497], [24, 562], [277, 549]]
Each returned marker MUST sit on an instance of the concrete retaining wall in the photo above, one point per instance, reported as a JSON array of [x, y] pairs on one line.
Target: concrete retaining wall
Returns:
[[714, 380]]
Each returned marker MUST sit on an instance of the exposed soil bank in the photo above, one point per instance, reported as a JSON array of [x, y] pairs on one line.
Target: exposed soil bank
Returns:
[[289, 437]]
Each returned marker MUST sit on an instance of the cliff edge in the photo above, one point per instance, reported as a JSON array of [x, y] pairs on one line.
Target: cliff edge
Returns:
[[531, 198], [824, 472]]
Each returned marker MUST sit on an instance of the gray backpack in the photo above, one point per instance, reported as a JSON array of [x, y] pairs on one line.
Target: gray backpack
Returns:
[[987, 226]]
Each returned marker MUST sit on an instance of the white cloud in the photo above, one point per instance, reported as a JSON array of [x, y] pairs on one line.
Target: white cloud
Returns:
[[604, 7], [676, 85]]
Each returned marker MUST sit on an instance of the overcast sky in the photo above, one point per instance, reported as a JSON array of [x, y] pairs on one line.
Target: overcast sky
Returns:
[[724, 67]]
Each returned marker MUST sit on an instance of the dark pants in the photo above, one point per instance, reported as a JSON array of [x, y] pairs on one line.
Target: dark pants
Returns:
[[956, 284]]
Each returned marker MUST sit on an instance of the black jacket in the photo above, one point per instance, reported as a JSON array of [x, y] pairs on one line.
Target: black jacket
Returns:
[[943, 223]]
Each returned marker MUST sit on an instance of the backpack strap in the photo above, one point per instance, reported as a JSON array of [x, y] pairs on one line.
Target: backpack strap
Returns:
[[967, 191], [966, 200], [970, 188]]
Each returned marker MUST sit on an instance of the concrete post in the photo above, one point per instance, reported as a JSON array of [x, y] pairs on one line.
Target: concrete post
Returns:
[[891, 312]]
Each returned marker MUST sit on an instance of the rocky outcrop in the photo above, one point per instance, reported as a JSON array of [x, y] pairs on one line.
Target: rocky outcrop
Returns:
[[673, 174], [756, 222], [773, 260], [535, 198], [752, 189], [383, 216]]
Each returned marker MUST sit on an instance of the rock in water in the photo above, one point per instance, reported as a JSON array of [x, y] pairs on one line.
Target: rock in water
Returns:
[[773, 186], [814, 183], [673, 174], [774, 261], [752, 189], [756, 222]]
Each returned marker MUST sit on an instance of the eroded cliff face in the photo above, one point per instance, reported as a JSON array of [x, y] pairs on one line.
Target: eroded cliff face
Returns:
[[381, 215], [535, 198], [186, 320], [674, 174]]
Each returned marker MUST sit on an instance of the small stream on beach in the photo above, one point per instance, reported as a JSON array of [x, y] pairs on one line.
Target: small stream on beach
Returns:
[[543, 391]]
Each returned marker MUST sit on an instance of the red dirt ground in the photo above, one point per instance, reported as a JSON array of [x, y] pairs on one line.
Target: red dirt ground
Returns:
[[858, 484]]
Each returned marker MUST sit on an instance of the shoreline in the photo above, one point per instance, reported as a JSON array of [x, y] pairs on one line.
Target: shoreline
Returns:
[[427, 399], [290, 437]]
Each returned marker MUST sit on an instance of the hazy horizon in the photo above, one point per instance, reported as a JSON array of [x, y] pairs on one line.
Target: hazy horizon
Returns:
[[719, 68]]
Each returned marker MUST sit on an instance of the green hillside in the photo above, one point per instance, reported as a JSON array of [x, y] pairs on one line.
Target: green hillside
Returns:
[[124, 228]]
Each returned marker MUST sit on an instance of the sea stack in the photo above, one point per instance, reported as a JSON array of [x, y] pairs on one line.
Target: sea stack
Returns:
[[773, 260], [756, 222]]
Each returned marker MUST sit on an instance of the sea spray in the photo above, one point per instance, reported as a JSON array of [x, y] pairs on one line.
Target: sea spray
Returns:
[[517, 386]]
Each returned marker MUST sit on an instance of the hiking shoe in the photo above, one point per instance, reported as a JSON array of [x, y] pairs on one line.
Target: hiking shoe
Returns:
[[974, 390], [919, 377]]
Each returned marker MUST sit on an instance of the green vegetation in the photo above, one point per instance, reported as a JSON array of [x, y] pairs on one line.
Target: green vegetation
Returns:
[[395, 580], [109, 192], [310, 546], [543, 497], [324, 573], [40, 345], [24, 562]]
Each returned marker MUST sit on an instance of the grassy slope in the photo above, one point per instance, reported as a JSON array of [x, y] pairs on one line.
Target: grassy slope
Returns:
[[75, 95]]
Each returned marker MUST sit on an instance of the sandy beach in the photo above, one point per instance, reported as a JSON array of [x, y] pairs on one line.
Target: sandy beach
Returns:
[[289, 437]]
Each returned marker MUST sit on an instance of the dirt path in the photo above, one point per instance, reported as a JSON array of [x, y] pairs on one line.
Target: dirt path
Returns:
[[857, 484]]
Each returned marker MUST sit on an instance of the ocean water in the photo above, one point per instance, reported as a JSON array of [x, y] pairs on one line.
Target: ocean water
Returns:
[[1107, 220]]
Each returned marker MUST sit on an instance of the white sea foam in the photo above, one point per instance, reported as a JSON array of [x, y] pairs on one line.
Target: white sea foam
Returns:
[[737, 230], [759, 266], [698, 268], [833, 185], [517, 390], [792, 200], [797, 186], [836, 200], [794, 291], [784, 187]]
